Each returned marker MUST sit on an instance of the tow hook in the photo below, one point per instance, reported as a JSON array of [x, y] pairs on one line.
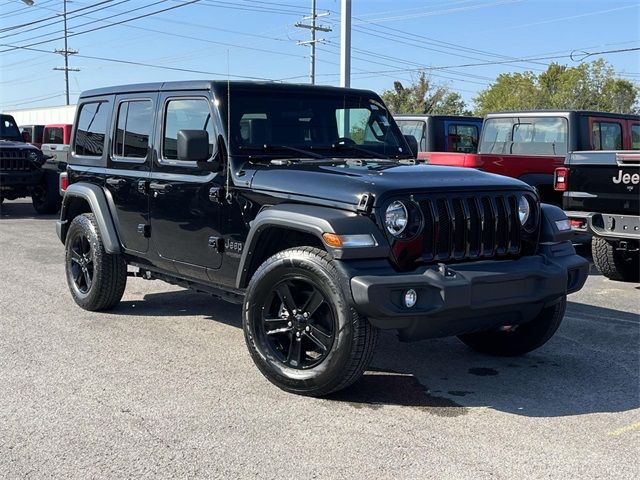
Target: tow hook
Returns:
[[445, 271]]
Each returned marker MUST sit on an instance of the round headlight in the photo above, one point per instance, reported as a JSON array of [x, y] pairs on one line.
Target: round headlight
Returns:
[[524, 210], [396, 217], [33, 156]]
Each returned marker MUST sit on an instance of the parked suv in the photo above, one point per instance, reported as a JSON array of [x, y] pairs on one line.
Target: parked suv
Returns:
[[23, 172], [601, 196], [304, 204]]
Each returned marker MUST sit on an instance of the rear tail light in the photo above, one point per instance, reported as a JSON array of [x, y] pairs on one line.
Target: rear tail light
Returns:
[[561, 179], [64, 182]]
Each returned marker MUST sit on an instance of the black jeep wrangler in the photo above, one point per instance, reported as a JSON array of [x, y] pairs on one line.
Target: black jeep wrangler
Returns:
[[601, 197], [306, 205], [23, 172]]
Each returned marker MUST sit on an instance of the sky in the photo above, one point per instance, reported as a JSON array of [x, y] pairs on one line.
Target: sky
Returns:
[[463, 44]]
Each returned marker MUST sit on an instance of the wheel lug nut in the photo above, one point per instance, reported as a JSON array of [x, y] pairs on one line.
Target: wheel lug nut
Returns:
[[295, 311], [307, 328], [289, 324], [306, 315], [297, 334]]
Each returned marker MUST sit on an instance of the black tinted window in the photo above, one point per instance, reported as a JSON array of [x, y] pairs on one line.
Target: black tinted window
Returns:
[[185, 114], [635, 136], [606, 136], [91, 129], [462, 138], [53, 135], [133, 129]]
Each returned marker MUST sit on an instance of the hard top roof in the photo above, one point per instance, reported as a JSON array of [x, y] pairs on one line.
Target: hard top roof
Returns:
[[421, 116], [220, 85], [547, 113]]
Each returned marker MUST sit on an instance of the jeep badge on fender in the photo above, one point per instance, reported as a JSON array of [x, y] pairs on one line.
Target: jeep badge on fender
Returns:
[[328, 229]]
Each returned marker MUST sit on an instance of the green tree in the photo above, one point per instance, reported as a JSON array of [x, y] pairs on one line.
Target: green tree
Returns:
[[588, 86], [423, 96]]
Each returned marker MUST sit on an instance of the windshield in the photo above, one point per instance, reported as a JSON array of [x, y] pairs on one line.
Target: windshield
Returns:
[[525, 136], [9, 129], [281, 124]]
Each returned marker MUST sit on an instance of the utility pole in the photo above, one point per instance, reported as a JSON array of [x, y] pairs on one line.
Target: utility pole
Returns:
[[313, 27], [345, 43], [66, 52]]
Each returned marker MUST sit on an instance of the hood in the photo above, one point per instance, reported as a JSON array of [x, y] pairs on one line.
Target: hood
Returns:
[[345, 182], [15, 144]]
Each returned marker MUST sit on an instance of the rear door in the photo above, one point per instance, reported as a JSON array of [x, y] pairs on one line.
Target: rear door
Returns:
[[128, 169], [185, 217]]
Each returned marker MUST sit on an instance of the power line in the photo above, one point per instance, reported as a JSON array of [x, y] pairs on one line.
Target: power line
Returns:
[[106, 26]]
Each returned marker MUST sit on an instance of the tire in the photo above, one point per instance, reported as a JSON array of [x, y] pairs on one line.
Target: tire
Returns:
[[615, 264], [101, 283], [335, 344], [46, 197], [523, 339]]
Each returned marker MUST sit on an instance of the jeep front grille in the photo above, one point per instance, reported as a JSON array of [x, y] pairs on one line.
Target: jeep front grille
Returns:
[[458, 227], [14, 159]]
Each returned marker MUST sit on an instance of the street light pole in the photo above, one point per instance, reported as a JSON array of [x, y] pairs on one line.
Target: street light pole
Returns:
[[345, 43]]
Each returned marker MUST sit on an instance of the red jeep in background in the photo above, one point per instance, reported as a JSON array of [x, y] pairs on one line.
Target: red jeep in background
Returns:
[[531, 145]]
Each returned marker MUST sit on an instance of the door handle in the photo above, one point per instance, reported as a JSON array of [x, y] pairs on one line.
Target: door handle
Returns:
[[161, 187], [116, 182]]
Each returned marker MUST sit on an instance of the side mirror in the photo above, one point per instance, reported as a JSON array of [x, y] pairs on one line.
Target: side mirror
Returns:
[[26, 137], [413, 144], [193, 145]]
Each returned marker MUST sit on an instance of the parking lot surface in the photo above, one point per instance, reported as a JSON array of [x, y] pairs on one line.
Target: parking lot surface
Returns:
[[163, 386]]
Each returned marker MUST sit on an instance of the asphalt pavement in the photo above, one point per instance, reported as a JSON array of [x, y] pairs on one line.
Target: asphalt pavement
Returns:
[[163, 387]]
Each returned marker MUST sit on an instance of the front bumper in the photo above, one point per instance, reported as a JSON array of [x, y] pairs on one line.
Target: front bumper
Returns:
[[608, 224], [468, 297], [20, 178]]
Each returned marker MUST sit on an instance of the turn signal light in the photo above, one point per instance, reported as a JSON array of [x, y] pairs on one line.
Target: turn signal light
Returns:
[[64, 182], [561, 179], [349, 241]]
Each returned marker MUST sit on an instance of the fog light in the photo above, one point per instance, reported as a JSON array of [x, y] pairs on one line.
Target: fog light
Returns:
[[410, 298]]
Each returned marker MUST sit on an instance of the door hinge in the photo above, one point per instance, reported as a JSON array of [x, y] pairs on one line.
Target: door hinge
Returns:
[[366, 203], [217, 194], [217, 244], [144, 230]]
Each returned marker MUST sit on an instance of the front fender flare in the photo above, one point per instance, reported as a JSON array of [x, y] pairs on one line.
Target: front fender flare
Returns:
[[314, 220], [94, 195]]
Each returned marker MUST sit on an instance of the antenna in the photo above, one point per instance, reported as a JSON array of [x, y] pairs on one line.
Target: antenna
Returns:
[[228, 186]]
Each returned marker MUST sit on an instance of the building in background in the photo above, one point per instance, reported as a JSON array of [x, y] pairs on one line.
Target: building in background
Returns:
[[44, 115]]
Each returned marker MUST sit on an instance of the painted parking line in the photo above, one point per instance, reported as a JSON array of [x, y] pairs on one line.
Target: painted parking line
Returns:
[[628, 428]]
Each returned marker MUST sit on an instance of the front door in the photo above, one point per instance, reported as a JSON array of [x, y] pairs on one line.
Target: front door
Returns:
[[129, 166], [185, 216]]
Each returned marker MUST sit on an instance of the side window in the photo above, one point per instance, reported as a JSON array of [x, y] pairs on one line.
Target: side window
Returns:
[[635, 136], [185, 114], [462, 138], [133, 129], [417, 128], [91, 129], [606, 136], [53, 135]]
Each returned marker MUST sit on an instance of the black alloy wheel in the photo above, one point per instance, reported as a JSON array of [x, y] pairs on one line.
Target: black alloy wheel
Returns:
[[298, 323], [300, 327], [82, 263]]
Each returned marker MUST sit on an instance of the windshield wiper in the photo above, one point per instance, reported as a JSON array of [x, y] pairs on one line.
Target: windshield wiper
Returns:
[[356, 148], [269, 148]]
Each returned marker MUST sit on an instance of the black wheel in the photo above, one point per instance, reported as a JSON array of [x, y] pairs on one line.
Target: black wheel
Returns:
[[45, 197], [96, 278], [520, 339], [615, 264], [300, 329]]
